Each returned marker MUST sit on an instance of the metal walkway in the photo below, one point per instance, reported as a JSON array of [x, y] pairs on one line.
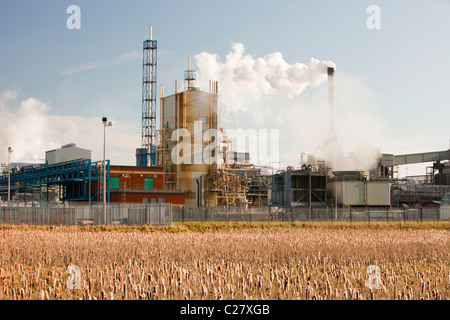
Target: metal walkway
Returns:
[[78, 180]]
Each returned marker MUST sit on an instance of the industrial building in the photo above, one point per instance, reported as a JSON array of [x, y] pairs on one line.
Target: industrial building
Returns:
[[68, 173], [233, 180], [357, 189], [67, 152], [238, 185], [195, 112], [415, 191], [299, 188], [130, 184]]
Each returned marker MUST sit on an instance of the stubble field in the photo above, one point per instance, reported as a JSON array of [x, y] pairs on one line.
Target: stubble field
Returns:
[[225, 262]]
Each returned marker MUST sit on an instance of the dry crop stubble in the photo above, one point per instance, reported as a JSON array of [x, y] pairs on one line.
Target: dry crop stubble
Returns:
[[244, 263]]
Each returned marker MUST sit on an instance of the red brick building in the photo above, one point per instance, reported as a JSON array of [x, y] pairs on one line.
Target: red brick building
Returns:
[[133, 184]]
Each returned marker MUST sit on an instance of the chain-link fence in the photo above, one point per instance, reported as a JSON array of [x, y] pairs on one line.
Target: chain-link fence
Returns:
[[194, 214], [112, 214], [165, 214]]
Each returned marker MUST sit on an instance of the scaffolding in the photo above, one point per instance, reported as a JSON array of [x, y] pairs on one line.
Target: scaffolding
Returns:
[[409, 194], [164, 151], [238, 185]]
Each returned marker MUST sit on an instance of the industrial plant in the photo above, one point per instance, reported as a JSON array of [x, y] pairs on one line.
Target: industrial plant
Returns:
[[70, 176]]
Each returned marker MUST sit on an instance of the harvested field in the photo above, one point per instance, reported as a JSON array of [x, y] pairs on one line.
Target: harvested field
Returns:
[[229, 262]]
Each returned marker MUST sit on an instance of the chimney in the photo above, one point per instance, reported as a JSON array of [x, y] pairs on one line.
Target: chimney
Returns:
[[332, 136]]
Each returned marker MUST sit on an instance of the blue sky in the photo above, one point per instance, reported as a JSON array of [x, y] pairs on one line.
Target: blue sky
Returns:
[[96, 71]]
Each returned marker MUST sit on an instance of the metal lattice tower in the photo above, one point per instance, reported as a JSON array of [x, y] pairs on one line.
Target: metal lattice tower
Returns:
[[148, 157], [189, 76]]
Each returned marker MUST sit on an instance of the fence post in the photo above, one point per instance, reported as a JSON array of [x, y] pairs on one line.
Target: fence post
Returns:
[[387, 215], [368, 215], [182, 214], [421, 215]]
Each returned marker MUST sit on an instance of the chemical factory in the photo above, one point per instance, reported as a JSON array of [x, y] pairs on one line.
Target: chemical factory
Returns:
[[69, 175]]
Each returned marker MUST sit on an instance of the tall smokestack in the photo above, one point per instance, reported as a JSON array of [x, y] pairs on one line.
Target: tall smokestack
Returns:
[[332, 136], [331, 145]]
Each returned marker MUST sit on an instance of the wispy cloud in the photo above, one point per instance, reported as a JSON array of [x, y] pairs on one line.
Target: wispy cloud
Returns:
[[121, 59], [8, 95]]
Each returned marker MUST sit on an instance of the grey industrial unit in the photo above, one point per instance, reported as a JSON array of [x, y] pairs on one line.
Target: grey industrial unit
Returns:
[[67, 152], [355, 188], [299, 188]]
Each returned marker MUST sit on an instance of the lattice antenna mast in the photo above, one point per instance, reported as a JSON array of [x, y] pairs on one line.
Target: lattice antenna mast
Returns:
[[189, 77], [149, 103]]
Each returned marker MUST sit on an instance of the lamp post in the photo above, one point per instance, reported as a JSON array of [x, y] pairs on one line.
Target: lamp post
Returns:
[[105, 124], [335, 198], [272, 178], [9, 174]]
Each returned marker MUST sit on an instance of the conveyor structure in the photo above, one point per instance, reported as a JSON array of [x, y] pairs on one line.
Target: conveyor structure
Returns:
[[77, 180]]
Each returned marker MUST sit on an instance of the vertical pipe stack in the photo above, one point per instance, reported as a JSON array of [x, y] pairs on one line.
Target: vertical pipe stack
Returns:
[[332, 136], [331, 144]]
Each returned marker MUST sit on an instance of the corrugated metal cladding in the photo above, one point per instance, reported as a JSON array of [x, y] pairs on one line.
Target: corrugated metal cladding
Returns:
[[67, 153], [378, 193], [354, 193], [196, 111], [445, 212]]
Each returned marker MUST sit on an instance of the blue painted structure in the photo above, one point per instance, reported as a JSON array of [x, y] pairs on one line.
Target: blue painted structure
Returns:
[[81, 180]]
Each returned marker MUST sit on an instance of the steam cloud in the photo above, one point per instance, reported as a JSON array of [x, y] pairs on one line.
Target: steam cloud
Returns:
[[268, 92], [29, 128], [242, 74]]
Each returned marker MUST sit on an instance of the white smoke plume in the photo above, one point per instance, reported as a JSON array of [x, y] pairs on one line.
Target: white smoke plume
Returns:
[[29, 128], [242, 75], [268, 92]]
